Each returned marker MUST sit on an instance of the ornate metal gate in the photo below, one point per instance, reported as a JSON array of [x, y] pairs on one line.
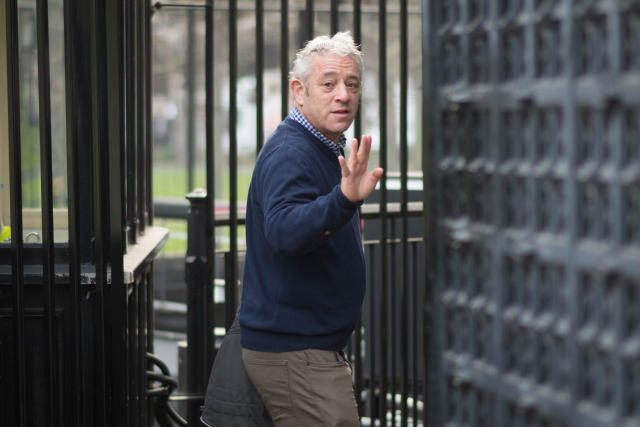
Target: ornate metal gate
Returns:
[[534, 111]]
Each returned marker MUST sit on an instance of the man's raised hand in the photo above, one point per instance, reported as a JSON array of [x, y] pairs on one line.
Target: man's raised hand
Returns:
[[356, 182]]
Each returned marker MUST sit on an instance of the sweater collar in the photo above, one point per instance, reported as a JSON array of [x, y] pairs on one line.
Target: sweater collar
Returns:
[[336, 148]]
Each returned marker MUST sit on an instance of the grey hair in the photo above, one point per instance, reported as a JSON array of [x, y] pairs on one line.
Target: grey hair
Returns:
[[341, 44]]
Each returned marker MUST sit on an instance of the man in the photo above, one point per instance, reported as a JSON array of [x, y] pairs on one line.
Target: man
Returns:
[[304, 278]]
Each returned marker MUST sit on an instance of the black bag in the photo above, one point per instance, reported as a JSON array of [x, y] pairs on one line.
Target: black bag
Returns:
[[231, 399]]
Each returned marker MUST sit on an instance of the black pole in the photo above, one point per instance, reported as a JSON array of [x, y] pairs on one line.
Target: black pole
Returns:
[[308, 20], [259, 75], [404, 339], [210, 162], [117, 293], [431, 343], [357, 36], [197, 279], [17, 248], [46, 192], [190, 72], [284, 58], [334, 16], [231, 269], [384, 335]]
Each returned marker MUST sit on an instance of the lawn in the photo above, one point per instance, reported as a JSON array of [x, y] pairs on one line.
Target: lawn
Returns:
[[171, 182]]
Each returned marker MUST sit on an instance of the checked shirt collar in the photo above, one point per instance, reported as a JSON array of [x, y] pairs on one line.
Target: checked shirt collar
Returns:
[[336, 147]]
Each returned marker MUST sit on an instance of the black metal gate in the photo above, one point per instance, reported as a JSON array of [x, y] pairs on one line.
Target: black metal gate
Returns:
[[534, 109]]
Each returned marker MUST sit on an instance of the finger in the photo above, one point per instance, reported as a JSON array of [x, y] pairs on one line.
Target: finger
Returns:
[[366, 145], [353, 156], [343, 166]]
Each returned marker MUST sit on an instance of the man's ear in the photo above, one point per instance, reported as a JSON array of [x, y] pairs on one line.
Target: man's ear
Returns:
[[297, 89]]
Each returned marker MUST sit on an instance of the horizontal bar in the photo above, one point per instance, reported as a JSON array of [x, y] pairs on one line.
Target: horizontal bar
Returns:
[[179, 209], [249, 6], [160, 5]]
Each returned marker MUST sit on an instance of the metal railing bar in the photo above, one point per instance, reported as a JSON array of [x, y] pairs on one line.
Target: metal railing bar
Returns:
[[160, 5], [248, 6], [210, 164], [71, 69], [17, 245], [391, 240], [357, 37], [414, 322], [404, 208], [46, 194], [130, 101], [100, 164], [393, 325], [382, 79], [430, 384], [371, 342], [146, 14], [309, 18], [113, 32], [178, 209], [232, 267], [334, 16], [284, 58], [143, 147], [259, 75], [190, 95]]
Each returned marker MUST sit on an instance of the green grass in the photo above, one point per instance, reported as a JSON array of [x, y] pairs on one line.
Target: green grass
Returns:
[[172, 183]]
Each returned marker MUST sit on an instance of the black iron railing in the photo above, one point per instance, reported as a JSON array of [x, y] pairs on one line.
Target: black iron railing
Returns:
[[532, 109]]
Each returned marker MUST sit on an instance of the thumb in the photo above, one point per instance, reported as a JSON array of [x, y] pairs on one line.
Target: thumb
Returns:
[[377, 173]]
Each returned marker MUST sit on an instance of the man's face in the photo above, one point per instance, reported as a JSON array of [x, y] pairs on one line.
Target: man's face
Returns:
[[330, 99]]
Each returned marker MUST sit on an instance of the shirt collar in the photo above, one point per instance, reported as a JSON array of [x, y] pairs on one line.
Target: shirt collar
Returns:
[[336, 147]]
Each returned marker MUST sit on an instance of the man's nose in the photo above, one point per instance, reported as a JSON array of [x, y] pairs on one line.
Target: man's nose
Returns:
[[342, 92]]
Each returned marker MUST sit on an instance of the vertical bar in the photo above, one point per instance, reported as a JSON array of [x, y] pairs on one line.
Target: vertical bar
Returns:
[[190, 82], [75, 229], [357, 36], [371, 342], [142, 346], [100, 223], [284, 58], [148, 110], [334, 16], [233, 148], [431, 349], [116, 299], [229, 292], [131, 120], [141, 110], [393, 323], [403, 207], [414, 321], [210, 162], [17, 248], [197, 284], [44, 96], [259, 75], [309, 18], [382, 78]]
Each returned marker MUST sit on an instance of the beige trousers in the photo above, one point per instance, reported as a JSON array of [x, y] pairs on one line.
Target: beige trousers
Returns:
[[306, 388]]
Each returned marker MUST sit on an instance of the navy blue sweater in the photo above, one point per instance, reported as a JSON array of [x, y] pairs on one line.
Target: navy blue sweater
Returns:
[[304, 276]]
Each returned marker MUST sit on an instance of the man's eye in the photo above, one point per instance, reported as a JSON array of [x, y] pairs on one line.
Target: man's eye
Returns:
[[327, 84]]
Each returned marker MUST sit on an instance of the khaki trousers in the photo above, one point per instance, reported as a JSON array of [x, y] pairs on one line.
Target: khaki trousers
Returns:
[[306, 388]]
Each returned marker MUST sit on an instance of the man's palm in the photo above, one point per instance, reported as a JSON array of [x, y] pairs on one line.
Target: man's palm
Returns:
[[356, 182]]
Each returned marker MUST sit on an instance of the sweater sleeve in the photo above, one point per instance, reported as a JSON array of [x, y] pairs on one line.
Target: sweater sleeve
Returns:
[[297, 217]]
